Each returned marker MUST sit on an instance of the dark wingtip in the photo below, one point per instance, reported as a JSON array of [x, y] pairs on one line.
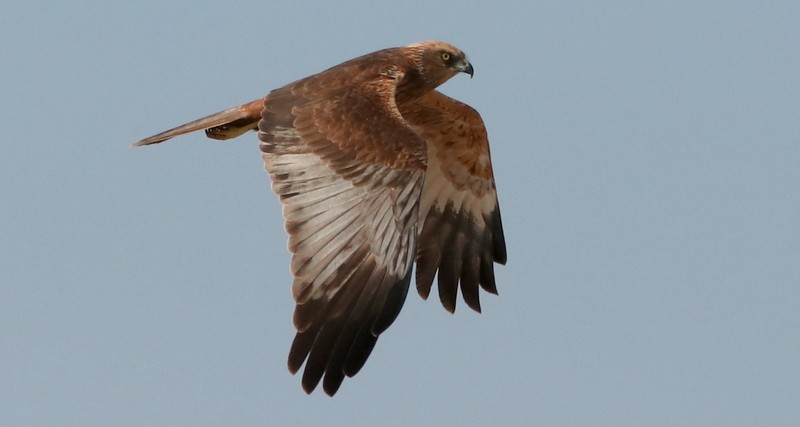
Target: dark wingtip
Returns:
[[308, 386], [311, 378], [448, 304], [331, 387]]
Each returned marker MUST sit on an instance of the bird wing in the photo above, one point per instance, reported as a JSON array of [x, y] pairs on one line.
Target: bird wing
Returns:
[[462, 235], [349, 172]]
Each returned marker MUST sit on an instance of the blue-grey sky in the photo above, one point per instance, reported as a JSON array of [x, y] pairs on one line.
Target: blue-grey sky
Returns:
[[646, 156]]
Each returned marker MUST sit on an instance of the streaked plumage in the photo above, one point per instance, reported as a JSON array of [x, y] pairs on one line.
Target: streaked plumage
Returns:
[[376, 170]]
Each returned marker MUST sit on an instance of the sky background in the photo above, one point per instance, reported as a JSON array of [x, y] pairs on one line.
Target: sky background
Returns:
[[646, 157]]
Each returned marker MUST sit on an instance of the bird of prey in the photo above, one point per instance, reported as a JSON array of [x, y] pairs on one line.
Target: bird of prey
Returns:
[[376, 171]]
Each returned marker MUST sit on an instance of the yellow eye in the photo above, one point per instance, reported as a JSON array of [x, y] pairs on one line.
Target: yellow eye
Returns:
[[445, 56]]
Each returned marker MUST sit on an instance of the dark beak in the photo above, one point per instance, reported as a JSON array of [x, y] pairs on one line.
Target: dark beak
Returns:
[[465, 67]]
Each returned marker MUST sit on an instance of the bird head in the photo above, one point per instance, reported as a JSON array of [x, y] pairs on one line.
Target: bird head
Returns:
[[440, 61]]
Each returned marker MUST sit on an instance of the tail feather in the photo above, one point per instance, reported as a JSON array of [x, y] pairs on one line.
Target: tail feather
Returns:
[[225, 124]]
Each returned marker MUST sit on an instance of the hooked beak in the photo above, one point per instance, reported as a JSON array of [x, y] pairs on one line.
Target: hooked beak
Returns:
[[465, 67]]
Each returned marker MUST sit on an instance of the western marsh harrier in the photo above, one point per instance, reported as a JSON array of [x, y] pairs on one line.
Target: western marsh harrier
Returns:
[[376, 170]]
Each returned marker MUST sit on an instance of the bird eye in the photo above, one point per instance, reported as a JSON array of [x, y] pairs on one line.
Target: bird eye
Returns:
[[445, 56]]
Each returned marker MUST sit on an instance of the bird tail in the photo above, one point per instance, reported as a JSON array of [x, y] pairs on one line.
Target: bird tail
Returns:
[[225, 124]]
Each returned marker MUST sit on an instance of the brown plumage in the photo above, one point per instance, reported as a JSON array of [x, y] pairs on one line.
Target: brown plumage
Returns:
[[376, 170]]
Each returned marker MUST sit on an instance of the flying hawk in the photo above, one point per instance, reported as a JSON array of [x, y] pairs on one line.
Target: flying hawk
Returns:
[[376, 170]]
